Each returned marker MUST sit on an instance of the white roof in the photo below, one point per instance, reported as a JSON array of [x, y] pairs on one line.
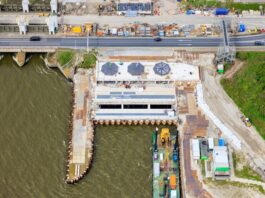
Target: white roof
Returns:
[[148, 94], [220, 156], [179, 72], [173, 194], [195, 149], [156, 169], [210, 143]]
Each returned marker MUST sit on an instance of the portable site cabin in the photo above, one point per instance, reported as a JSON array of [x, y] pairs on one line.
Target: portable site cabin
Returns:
[[156, 169], [210, 144], [204, 150], [220, 68], [195, 149], [220, 161]]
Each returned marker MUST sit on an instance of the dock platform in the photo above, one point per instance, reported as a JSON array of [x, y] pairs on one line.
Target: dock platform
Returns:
[[82, 132]]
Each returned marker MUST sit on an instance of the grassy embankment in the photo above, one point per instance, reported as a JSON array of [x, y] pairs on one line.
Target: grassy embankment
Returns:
[[246, 171], [247, 88], [202, 164], [65, 57], [89, 61], [228, 4]]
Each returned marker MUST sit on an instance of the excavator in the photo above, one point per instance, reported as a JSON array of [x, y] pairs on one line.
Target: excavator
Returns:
[[246, 121], [164, 136]]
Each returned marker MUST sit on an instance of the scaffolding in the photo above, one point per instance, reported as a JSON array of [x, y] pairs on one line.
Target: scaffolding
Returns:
[[225, 53]]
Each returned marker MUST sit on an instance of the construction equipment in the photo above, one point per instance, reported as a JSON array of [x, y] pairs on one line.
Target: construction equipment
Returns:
[[76, 29], [255, 30], [175, 152], [203, 28], [88, 27], [246, 121], [164, 135]]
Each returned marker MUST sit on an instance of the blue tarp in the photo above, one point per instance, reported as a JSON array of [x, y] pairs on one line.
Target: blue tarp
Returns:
[[242, 28], [221, 142], [189, 12], [221, 11]]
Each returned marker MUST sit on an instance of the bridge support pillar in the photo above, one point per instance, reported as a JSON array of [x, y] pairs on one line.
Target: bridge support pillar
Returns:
[[20, 58]]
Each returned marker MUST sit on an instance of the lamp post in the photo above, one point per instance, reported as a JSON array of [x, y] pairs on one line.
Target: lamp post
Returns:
[[87, 42]]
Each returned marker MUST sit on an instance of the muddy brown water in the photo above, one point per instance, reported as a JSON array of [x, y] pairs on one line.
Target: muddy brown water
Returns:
[[34, 115]]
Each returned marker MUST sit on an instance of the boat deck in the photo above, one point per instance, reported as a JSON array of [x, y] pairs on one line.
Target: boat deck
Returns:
[[167, 167]]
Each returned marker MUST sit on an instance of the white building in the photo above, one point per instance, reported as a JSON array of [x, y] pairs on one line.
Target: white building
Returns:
[[139, 91], [195, 149], [221, 162], [138, 6]]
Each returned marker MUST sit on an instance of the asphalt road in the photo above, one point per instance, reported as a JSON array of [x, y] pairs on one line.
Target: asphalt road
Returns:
[[81, 42]]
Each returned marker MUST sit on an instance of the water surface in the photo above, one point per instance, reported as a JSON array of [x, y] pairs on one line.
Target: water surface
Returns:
[[34, 116]]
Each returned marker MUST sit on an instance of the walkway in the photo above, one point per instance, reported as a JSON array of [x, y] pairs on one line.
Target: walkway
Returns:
[[248, 181], [81, 145]]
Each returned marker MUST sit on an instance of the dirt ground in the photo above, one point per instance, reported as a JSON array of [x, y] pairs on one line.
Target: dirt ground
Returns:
[[90, 7], [164, 7], [253, 147], [228, 191], [167, 7], [231, 72]]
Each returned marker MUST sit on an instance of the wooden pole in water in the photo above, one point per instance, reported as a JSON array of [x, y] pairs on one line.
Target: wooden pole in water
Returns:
[[124, 122]]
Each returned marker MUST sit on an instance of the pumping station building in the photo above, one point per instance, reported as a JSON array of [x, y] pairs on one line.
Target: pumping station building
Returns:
[[139, 90]]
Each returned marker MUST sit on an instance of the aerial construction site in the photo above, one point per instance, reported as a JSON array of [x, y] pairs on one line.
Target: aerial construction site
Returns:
[[187, 75]]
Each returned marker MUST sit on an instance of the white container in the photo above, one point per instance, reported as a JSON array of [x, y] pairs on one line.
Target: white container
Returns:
[[156, 170], [210, 143], [161, 156]]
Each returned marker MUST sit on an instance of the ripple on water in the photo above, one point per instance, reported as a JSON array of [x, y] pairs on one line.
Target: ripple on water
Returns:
[[34, 113]]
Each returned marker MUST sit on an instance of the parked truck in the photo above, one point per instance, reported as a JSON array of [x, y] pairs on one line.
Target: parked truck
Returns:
[[221, 11]]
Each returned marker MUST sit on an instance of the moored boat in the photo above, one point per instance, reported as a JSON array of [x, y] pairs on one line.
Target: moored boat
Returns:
[[166, 182]]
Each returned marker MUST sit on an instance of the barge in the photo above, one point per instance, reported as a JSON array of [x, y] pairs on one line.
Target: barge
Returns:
[[166, 181]]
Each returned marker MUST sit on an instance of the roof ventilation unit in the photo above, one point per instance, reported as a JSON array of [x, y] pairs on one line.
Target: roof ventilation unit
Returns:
[[161, 68], [109, 69]]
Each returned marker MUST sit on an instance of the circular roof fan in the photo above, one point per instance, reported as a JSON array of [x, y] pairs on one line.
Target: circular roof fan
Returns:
[[109, 69], [161, 68], [135, 69]]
